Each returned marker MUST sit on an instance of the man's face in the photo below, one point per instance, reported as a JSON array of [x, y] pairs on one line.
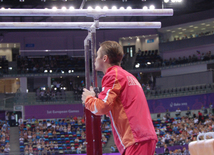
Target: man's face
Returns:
[[99, 62]]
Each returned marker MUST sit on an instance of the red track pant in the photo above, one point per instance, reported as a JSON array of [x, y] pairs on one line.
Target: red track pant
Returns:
[[142, 148]]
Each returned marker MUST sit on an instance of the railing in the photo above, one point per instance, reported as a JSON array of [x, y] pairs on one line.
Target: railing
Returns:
[[7, 103], [70, 97], [183, 113], [180, 91], [169, 67], [31, 99], [42, 74]]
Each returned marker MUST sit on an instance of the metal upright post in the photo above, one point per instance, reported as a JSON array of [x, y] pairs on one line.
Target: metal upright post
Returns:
[[162, 4], [88, 114], [97, 135], [87, 63]]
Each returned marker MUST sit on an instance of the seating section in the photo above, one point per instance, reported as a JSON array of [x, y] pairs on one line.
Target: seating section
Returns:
[[4, 137], [60, 136], [49, 64], [106, 131], [78, 92], [67, 136], [186, 90], [151, 59], [166, 127], [176, 133], [148, 59], [181, 130], [50, 95], [188, 36]]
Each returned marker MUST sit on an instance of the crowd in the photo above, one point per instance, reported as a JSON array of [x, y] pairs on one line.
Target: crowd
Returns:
[[194, 58], [79, 89], [56, 136], [182, 130], [145, 60], [56, 93], [4, 137], [68, 135], [189, 36], [10, 119], [49, 64], [52, 136], [78, 93]]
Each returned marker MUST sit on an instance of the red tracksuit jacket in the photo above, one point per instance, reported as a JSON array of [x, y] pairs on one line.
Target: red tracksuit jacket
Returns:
[[122, 98]]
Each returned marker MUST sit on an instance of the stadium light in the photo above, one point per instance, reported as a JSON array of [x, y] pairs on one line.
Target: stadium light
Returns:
[[145, 8], [114, 8], [71, 8], [151, 7], [176, 1], [137, 65], [54, 8], [90, 8], [129, 8], [122, 8], [64, 8], [98, 8], [172, 1], [105, 8]]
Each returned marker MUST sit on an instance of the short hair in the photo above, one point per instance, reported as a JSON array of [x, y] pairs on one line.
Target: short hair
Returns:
[[113, 50]]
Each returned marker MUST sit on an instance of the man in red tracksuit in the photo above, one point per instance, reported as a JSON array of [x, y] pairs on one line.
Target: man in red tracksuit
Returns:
[[123, 100]]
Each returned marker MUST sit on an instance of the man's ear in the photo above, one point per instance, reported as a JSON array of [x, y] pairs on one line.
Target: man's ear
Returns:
[[105, 58]]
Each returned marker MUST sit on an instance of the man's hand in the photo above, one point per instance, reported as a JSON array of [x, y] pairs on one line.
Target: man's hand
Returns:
[[87, 93]]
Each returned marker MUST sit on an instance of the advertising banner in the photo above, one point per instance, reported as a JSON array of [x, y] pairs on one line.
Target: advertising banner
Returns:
[[53, 111], [194, 102]]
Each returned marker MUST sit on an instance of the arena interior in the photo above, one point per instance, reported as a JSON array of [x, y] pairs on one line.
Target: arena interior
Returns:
[[42, 75]]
